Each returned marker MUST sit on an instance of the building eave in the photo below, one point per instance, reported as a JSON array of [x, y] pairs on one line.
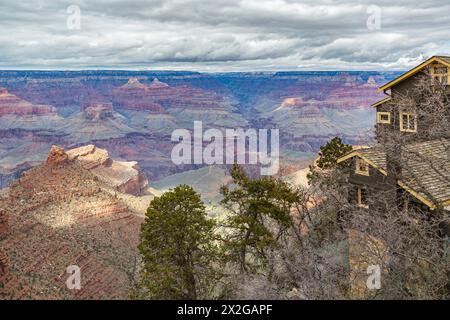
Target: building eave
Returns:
[[412, 72]]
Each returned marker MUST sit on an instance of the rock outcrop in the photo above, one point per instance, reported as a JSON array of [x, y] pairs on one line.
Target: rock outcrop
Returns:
[[98, 111], [62, 214], [57, 156], [124, 176]]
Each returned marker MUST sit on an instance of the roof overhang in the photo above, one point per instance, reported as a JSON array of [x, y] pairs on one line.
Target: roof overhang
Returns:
[[363, 157], [381, 102], [412, 72], [422, 198]]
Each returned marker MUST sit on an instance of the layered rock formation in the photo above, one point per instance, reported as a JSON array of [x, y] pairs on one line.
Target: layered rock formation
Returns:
[[4, 261], [132, 114], [95, 121], [62, 214], [179, 105], [124, 176], [16, 113]]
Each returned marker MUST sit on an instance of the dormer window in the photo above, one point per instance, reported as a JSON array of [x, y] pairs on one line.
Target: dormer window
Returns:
[[362, 167], [384, 117], [408, 122]]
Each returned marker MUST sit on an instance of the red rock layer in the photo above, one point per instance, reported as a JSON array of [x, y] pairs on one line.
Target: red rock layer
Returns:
[[158, 95], [60, 214], [13, 105]]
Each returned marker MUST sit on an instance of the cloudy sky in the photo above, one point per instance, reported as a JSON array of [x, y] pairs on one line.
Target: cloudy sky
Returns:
[[222, 35]]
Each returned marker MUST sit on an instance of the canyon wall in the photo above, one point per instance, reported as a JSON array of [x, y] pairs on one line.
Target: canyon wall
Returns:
[[132, 114]]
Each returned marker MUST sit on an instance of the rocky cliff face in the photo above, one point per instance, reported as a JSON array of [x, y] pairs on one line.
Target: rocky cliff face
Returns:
[[132, 114], [4, 261], [62, 214], [124, 176], [16, 113]]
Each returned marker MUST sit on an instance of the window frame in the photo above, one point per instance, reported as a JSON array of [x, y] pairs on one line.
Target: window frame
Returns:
[[383, 113], [408, 114], [442, 77], [360, 204], [366, 172]]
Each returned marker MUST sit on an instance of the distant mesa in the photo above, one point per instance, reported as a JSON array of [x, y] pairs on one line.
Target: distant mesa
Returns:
[[98, 111], [11, 104], [133, 83], [156, 84]]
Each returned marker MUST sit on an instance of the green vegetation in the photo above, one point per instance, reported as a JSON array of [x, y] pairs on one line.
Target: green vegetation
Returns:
[[259, 217], [178, 248], [328, 156]]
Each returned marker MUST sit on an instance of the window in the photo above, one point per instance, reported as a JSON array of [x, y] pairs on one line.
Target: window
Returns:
[[362, 198], [408, 122], [384, 117], [362, 167], [440, 74]]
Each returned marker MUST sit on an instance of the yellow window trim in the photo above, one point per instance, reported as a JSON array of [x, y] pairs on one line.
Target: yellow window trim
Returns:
[[401, 121], [379, 120], [360, 204], [440, 75], [358, 164]]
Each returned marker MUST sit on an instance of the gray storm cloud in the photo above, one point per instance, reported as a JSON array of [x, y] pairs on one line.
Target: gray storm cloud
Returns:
[[219, 35]]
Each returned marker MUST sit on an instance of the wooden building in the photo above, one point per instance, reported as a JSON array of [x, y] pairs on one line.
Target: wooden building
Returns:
[[412, 169]]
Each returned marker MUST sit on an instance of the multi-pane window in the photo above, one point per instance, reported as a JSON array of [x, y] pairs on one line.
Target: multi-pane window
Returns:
[[362, 167], [384, 117], [408, 122], [440, 74]]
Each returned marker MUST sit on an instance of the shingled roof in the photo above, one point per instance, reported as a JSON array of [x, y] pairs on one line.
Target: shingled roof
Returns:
[[425, 169], [375, 156]]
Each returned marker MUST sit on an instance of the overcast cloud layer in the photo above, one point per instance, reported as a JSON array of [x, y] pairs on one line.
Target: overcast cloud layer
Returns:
[[222, 35]]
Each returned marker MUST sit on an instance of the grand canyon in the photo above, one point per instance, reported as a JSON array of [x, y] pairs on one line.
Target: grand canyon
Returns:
[[83, 153]]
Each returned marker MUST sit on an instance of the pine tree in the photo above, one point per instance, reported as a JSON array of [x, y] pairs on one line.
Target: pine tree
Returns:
[[178, 248], [328, 156], [259, 215]]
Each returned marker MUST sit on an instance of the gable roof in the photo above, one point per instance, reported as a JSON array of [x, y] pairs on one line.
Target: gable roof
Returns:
[[373, 156], [425, 169], [441, 59]]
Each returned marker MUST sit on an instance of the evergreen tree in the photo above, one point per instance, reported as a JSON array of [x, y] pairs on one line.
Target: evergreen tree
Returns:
[[328, 156], [178, 248], [259, 215]]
